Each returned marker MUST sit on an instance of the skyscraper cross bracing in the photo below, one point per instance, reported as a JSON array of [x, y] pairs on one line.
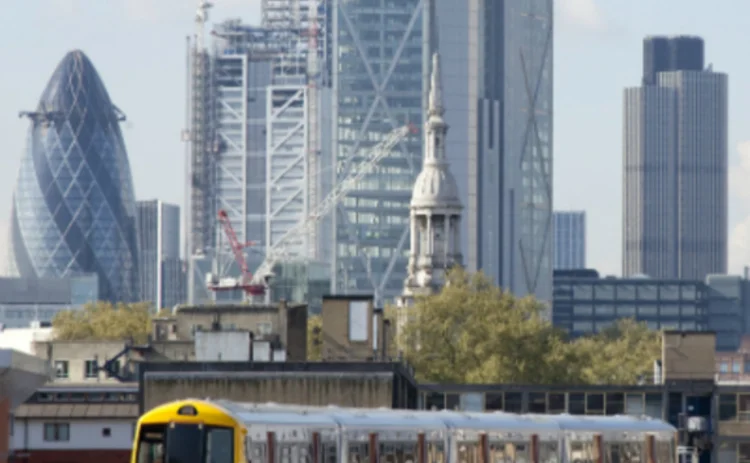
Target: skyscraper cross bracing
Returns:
[[74, 206]]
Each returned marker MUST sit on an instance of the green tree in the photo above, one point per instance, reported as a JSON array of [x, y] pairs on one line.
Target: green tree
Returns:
[[104, 321], [314, 338], [620, 354], [474, 332]]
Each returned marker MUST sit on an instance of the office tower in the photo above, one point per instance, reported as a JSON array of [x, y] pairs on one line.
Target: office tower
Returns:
[[675, 170], [570, 240], [162, 277], [662, 54], [73, 206], [498, 98], [379, 84], [251, 149]]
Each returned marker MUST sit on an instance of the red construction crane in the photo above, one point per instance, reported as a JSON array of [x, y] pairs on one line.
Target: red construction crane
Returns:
[[239, 256]]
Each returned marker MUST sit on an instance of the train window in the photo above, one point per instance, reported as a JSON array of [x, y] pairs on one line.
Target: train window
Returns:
[[219, 448], [151, 444]]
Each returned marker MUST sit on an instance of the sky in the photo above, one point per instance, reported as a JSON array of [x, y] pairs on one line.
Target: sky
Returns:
[[138, 48]]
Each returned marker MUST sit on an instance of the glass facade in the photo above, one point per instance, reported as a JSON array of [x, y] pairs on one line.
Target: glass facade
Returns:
[[379, 70], [570, 240], [161, 270], [74, 208], [587, 305]]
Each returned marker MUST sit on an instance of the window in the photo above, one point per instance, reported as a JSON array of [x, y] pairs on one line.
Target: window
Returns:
[[724, 367], [537, 402], [556, 402], [514, 402], [747, 367], [106, 432], [61, 369], [90, 368], [493, 401], [736, 366], [595, 404], [56, 432], [577, 403], [727, 407]]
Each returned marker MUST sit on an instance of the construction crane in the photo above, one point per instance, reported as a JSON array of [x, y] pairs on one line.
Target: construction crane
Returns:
[[280, 250], [238, 249], [255, 284]]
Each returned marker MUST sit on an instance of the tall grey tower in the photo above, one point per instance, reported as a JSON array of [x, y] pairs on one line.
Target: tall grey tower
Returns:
[[435, 209], [498, 96], [675, 164]]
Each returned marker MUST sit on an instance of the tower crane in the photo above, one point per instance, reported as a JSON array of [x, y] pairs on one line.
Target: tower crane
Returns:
[[255, 284], [281, 249]]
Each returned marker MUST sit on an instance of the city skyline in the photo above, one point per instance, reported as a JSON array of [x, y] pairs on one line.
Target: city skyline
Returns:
[[153, 137]]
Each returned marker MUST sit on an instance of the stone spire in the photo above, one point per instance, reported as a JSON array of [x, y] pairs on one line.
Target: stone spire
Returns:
[[435, 206]]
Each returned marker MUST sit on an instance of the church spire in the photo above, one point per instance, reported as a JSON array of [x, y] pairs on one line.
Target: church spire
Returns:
[[436, 89], [435, 127]]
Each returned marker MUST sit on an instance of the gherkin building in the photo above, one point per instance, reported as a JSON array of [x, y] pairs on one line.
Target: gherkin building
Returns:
[[73, 205]]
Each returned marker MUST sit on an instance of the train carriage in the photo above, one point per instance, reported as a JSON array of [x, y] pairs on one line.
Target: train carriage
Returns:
[[204, 431]]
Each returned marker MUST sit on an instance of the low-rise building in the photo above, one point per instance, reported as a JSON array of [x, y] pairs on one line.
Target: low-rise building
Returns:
[[584, 303], [253, 333], [76, 423]]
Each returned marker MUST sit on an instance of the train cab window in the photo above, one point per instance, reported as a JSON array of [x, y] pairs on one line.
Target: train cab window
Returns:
[[151, 444], [219, 445]]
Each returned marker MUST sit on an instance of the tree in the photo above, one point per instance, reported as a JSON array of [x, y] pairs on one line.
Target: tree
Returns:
[[474, 332], [104, 321], [314, 338], [621, 354]]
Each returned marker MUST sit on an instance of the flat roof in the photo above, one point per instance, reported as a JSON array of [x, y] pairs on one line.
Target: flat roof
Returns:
[[21, 374]]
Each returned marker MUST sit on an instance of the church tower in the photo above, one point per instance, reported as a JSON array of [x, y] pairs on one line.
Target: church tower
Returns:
[[435, 207]]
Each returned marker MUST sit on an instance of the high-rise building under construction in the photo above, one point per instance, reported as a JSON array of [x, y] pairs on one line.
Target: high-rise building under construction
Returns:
[[251, 149]]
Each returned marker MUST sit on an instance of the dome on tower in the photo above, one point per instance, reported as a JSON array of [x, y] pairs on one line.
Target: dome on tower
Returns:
[[435, 186]]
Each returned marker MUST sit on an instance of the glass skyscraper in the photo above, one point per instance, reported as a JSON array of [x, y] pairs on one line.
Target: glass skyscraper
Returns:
[[379, 71], [498, 97], [73, 207], [675, 156], [162, 276], [570, 240]]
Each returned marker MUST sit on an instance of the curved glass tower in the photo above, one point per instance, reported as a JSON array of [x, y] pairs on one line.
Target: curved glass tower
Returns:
[[73, 206]]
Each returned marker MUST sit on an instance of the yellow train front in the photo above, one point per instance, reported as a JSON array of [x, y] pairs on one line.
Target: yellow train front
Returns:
[[198, 431], [188, 431]]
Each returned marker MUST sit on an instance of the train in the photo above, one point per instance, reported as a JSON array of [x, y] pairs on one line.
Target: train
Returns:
[[222, 431]]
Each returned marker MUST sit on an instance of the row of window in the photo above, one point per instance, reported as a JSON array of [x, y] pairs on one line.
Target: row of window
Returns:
[[734, 407], [688, 292], [90, 368], [84, 397], [736, 366], [60, 432], [575, 403]]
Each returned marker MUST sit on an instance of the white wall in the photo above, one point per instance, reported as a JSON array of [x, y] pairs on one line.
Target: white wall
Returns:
[[84, 435]]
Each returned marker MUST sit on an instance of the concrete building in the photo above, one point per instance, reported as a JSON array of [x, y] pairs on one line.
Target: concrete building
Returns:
[[162, 275], [584, 303], [675, 167], [499, 105], [570, 240], [24, 301], [20, 376], [84, 423], [245, 332], [435, 208], [251, 151]]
